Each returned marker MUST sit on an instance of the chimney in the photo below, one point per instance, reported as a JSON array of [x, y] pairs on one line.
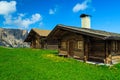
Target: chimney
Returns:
[[85, 21]]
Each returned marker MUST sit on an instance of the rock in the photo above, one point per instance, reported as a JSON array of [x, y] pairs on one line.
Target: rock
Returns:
[[13, 37]]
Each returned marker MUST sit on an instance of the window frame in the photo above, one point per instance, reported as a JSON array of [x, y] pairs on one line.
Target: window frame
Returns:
[[80, 44]]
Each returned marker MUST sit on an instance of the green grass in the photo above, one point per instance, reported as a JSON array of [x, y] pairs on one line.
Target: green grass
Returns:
[[34, 64]]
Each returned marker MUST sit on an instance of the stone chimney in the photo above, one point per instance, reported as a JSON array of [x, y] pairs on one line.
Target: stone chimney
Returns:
[[85, 21]]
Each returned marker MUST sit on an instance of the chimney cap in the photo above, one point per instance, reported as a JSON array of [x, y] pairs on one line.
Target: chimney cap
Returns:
[[85, 15]]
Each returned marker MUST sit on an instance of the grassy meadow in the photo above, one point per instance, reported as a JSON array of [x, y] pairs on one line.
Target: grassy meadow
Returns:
[[35, 64]]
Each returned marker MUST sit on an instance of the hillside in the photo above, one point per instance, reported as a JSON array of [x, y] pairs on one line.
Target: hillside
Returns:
[[13, 37], [36, 64]]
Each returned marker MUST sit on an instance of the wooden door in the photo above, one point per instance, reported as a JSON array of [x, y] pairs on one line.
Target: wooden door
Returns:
[[97, 51], [71, 48]]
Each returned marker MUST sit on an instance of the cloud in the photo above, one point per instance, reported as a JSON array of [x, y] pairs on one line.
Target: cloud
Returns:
[[53, 11], [21, 21], [83, 6], [7, 7], [36, 17]]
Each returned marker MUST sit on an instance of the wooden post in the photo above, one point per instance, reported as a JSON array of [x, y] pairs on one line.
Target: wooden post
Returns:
[[106, 53], [85, 58], [59, 45], [108, 57], [85, 48], [110, 53], [32, 43]]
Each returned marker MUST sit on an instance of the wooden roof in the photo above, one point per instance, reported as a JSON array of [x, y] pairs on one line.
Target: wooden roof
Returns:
[[89, 32], [41, 33]]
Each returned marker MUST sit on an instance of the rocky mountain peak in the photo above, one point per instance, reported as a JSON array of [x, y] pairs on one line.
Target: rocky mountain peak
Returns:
[[13, 37]]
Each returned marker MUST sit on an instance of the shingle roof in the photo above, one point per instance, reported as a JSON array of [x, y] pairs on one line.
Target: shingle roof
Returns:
[[91, 32], [41, 32]]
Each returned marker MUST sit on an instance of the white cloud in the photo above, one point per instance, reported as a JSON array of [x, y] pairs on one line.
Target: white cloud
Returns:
[[79, 7], [22, 22], [8, 19], [51, 11], [36, 17], [7, 7]]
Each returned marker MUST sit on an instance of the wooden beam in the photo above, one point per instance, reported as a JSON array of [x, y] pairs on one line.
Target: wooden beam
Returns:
[[108, 57], [86, 39], [84, 33]]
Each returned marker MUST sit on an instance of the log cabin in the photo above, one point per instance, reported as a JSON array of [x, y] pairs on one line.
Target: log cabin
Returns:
[[37, 39], [85, 43]]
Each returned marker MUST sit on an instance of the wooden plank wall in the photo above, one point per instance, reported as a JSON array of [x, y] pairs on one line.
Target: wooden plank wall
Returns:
[[115, 51], [77, 50], [97, 50]]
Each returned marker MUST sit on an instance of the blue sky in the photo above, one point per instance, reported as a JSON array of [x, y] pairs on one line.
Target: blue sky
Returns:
[[45, 14]]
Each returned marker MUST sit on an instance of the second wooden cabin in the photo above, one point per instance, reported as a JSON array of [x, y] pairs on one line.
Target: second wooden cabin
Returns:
[[38, 39]]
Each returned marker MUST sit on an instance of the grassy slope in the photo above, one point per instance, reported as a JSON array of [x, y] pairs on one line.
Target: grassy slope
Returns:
[[34, 64]]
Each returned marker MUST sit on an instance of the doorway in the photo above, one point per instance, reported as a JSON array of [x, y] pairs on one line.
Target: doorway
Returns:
[[71, 48]]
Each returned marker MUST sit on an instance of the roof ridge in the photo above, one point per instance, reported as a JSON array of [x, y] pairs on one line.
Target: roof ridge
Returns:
[[40, 29]]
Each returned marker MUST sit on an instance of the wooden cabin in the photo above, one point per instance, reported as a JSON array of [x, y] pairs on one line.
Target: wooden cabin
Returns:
[[87, 44], [37, 39]]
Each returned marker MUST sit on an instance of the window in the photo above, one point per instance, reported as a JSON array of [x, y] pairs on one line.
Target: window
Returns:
[[63, 45], [80, 44]]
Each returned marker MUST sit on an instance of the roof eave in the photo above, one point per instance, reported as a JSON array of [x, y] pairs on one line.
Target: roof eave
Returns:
[[112, 38], [76, 31]]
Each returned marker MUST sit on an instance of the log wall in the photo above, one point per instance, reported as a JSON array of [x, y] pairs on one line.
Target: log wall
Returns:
[[115, 51], [96, 50], [78, 46], [89, 48]]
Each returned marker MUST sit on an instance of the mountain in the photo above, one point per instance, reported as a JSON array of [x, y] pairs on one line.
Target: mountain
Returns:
[[13, 37]]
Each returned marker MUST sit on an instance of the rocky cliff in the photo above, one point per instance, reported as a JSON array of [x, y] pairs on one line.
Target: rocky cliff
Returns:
[[13, 37]]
